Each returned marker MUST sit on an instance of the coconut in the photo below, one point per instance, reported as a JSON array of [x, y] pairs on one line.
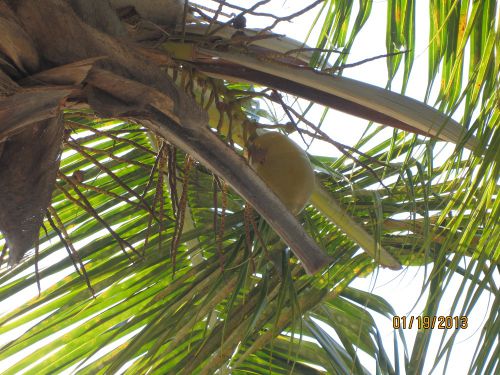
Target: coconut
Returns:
[[284, 167]]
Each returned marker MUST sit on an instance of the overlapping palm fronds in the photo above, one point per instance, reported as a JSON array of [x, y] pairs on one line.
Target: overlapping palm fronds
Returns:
[[160, 267]]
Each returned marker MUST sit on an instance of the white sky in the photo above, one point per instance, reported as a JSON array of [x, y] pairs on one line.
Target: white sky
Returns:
[[400, 289]]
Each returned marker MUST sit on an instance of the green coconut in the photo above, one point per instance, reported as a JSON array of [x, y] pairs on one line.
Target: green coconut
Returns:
[[284, 167]]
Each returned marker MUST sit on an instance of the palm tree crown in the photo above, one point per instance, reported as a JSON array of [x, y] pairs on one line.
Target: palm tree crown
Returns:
[[132, 189]]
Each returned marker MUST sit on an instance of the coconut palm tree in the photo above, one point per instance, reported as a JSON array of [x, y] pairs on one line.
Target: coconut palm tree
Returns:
[[158, 246]]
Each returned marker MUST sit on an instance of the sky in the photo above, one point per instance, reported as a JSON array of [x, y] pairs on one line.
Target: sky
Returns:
[[401, 288]]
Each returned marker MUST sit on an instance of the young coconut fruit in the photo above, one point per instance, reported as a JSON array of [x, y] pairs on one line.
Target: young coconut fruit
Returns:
[[284, 167]]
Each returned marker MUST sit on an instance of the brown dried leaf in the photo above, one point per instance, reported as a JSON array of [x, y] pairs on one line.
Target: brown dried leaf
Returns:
[[17, 45], [28, 106], [28, 167]]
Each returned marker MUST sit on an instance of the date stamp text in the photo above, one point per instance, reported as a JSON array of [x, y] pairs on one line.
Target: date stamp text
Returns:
[[430, 322]]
